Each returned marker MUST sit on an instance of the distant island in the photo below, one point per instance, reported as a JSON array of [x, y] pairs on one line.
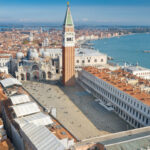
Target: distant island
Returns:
[[146, 51]]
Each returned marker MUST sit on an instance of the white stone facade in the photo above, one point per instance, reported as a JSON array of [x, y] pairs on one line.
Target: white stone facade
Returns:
[[138, 71], [35, 71], [4, 69], [4, 61], [87, 57]]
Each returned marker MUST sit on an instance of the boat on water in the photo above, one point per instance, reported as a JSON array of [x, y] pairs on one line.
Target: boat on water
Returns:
[[146, 51]]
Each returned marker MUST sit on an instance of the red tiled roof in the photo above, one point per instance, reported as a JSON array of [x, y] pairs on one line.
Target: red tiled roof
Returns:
[[115, 78]]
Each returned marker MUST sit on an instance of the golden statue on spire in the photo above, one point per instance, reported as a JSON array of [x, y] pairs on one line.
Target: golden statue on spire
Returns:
[[68, 3]]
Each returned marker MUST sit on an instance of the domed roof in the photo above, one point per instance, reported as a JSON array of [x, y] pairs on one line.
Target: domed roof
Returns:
[[19, 55], [32, 53]]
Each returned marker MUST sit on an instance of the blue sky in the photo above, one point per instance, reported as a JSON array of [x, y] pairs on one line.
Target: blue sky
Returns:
[[118, 12]]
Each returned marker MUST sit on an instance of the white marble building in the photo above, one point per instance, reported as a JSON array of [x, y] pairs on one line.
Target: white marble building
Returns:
[[138, 71], [4, 60], [4, 69], [83, 57]]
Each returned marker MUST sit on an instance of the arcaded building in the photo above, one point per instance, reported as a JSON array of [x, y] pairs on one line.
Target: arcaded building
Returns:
[[121, 91]]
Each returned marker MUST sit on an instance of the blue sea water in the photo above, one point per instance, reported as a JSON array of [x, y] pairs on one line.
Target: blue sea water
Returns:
[[127, 49]]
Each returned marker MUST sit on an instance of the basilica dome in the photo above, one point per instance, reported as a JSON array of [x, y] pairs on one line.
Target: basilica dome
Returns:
[[32, 53]]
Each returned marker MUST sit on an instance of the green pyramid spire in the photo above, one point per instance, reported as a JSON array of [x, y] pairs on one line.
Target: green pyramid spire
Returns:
[[68, 18]]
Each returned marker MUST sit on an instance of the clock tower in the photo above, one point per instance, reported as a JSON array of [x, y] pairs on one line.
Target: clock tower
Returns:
[[68, 50]]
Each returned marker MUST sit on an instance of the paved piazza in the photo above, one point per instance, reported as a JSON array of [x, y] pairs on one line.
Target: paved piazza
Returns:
[[76, 109]]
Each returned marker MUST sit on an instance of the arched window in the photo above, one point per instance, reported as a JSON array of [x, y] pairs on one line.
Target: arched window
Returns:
[[44, 75], [22, 77], [28, 76], [35, 67], [49, 75], [77, 61]]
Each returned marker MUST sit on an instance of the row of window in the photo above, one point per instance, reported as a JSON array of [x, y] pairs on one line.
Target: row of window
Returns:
[[128, 118], [3, 64], [4, 59], [143, 73], [55, 55], [133, 112], [83, 61], [123, 96], [122, 114]]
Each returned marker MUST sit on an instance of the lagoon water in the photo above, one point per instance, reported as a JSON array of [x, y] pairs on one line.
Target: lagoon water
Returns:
[[127, 49]]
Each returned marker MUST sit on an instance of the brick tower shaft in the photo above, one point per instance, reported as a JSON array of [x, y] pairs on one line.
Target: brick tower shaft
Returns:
[[68, 50]]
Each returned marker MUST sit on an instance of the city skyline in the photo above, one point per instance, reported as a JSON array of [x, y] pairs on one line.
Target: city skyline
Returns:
[[102, 12], [74, 75]]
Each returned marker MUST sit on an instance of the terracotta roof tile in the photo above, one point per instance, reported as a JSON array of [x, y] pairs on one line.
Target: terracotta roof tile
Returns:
[[114, 78]]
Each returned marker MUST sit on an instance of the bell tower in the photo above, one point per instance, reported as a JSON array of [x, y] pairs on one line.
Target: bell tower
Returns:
[[68, 50]]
